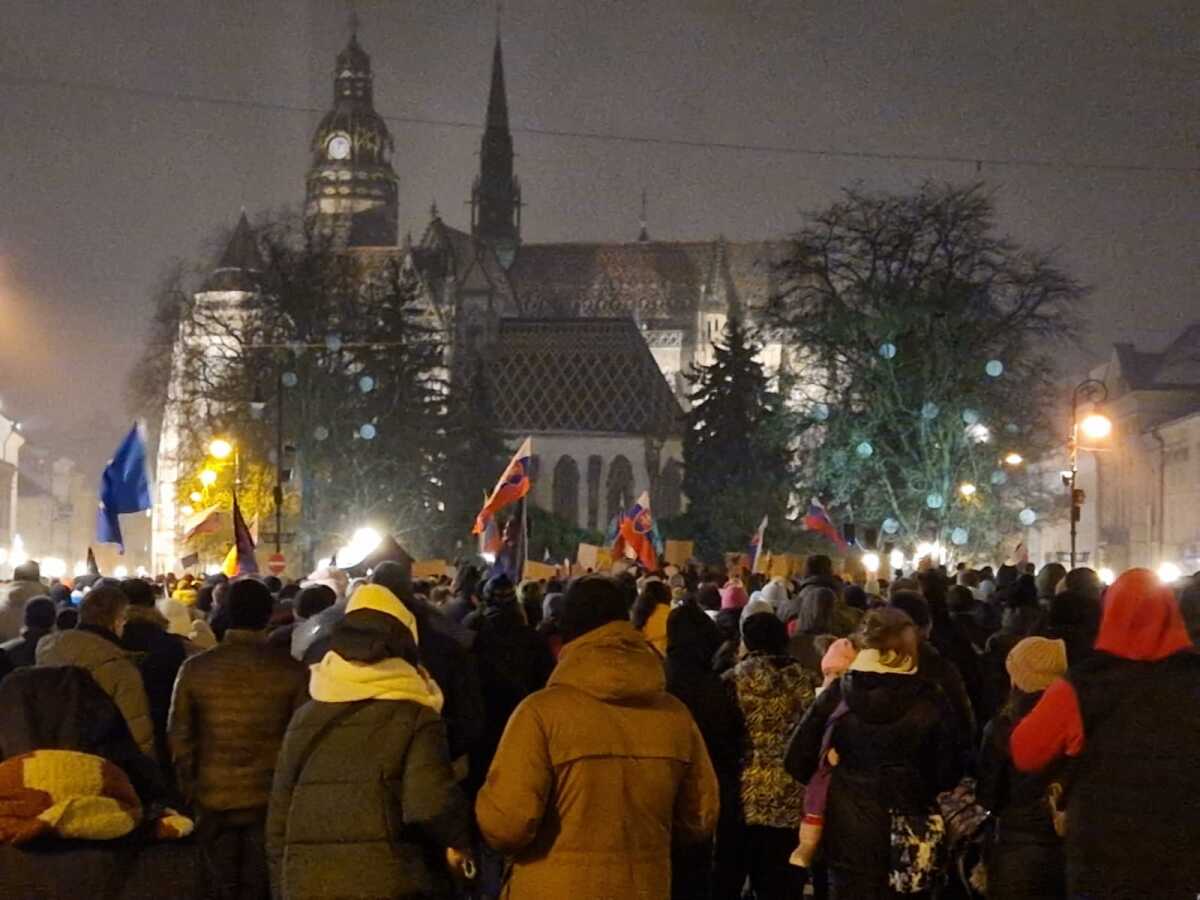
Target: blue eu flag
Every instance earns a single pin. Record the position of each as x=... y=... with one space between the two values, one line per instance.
x=124 y=487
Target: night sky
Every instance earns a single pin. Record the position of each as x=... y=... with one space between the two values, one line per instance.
x=100 y=188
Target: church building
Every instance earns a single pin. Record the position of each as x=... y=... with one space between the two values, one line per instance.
x=585 y=344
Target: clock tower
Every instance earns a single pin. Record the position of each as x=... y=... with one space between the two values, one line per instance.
x=351 y=186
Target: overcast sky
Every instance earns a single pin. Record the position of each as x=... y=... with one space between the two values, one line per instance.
x=101 y=189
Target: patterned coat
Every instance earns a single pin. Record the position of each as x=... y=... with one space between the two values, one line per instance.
x=773 y=693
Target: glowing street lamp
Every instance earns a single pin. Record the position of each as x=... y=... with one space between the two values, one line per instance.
x=220 y=449
x=1094 y=427
x=1169 y=573
x=896 y=559
x=967 y=489
x=208 y=478
x=870 y=562
x=1014 y=459
x=1107 y=576
x=196 y=496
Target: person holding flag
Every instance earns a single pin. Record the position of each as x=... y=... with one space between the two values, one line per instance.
x=513 y=485
x=635 y=532
x=124 y=487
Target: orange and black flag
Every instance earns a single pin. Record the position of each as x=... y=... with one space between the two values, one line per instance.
x=241 y=559
x=514 y=484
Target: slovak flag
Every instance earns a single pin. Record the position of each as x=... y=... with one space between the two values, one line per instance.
x=756 y=544
x=490 y=539
x=818 y=520
x=636 y=532
x=512 y=486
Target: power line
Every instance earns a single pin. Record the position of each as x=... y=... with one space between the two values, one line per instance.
x=610 y=137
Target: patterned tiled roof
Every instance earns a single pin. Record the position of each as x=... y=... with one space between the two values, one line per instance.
x=587 y=375
x=646 y=280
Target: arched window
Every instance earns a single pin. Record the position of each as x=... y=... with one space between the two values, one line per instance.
x=566 y=489
x=669 y=501
x=619 y=487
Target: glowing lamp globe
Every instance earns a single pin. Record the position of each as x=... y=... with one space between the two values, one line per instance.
x=870 y=562
x=1096 y=427
x=220 y=449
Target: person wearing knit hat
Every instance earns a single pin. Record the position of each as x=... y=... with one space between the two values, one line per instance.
x=756 y=606
x=332 y=577
x=1035 y=663
x=733 y=596
x=775 y=592
x=371 y=734
x=837 y=660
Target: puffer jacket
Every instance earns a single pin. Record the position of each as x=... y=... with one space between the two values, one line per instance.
x=229 y=712
x=595 y=775
x=773 y=693
x=101 y=655
x=363 y=803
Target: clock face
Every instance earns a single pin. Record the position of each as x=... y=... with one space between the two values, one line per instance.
x=339 y=147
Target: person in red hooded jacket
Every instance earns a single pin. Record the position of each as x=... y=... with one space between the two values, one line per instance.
x=1125 y=723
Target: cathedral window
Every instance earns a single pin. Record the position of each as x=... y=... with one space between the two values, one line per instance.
x=566 y=490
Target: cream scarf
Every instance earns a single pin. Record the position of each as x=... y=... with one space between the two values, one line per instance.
x=336 y=680
x=893 y=664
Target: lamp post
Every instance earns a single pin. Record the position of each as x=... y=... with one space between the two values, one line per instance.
x=277 y=494
x=1097 y=426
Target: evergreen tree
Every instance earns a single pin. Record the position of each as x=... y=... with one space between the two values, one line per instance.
x=737 y=465
x=475 y=456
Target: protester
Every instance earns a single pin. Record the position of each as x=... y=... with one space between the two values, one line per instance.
x=25 y=585
x=934 y=667
x=39 y=622
x=650 y=614
x=158 y=654
x=550 y=628
x=364 y=803
x=692 y=640
x=229 y=713
x=896 y=748
x=443 y=651
x=307 y=603
x=1025 y=857
x=1021 y=617
x=598 y=772
x=773 y=691
x=1124 y=717
x=812 y=626
x=95 y=645
x=1048 y=581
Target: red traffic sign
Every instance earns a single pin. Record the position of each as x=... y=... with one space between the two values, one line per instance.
x=276 y=563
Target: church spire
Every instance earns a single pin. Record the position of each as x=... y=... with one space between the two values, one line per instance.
x=496 y=193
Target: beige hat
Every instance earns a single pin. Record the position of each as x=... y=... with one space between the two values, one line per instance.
x=1035 y=663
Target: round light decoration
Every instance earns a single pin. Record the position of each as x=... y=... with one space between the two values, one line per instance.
x=891 y=526
x=840 y=458
x=888 y=350
x=959 y=536
x=979 y=433
x=994 y=368
x=367 y=432
x=967 y=489
x=1027 y=516
x=290 y=379
x=320 y=432
x=935 y=501
x=1012 y=428
x=930 y=411
x=870 y=562
x=366 y=384
x=820 y=411
x=999 y=477
x=333 y=343
x=970 y=416
x=864 y=450
x=297 y=347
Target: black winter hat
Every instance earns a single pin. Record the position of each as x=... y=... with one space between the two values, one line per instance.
x=763 y=632
x=499 y=589
x=590 y=602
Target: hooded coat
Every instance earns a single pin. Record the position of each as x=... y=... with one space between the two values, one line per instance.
x=595 y=775
x=1125 y=717
x=100 y=653
x=158 y=655
x=897 y=748
x=364 y=800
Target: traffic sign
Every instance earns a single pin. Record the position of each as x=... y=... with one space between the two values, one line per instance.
x=276 y=563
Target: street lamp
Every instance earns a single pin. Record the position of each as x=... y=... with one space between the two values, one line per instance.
x=1014 y=459
x=870 y=562
x=967 y=489
x=220 y=449
x=1094 y=427
x=208 y=478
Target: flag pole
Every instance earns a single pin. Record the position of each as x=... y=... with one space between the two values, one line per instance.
x=524 y=540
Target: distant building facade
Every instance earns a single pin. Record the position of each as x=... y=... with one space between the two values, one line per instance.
x=1142 y=485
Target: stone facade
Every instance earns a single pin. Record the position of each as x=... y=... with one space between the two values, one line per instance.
x=1142 y=484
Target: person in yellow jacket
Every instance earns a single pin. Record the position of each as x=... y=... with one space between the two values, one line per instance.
x=597 y=772
x=650 y=614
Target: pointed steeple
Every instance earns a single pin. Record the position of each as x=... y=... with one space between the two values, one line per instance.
x=241 y=264
x=496 y=193
x=497 y=110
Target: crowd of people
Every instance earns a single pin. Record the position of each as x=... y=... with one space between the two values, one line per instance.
x=686 y=734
